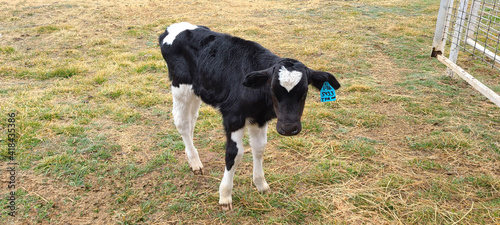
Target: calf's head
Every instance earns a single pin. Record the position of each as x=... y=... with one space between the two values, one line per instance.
x=289 y=80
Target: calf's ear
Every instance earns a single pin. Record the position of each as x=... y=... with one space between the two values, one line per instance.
x=318 y=78
x=257 y=79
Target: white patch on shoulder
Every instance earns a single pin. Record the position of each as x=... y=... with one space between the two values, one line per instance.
x=288 y=79
x=175 y=29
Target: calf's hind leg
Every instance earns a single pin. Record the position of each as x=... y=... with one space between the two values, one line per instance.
x=185 y=109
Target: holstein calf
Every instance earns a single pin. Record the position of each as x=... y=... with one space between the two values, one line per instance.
x=247 y=83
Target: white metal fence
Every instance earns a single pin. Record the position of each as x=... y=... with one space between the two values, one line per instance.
x=472 y=27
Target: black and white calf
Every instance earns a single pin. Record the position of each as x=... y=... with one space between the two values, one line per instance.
x=247 y=83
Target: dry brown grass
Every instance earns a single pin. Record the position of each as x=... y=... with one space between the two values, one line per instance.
x=402 y=145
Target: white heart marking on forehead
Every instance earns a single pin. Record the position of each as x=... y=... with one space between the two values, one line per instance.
x=289 y=79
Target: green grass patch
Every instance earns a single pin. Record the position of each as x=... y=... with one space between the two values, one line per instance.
x=99 y=79
x=101 y=41
x=298 y=145
x=361 y=146
x=441 y=141
x=39 y=208
x=63 y=72
x=69 y=167
x=80 y=157
x=359 y=88
x=359 y=118
x=114 y=94
x=47 y=29
x=395 y=182
x=326 y=172
x=153 y=67
x=126 y=116
x=426 y=164
x=7 y=50
x=69 y=130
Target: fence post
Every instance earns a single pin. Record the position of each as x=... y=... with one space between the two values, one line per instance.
x=439 y=35
x=471 y=29
x=457 y=32
x=473 y=23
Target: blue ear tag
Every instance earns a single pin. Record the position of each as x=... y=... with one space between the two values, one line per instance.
x=327 y=93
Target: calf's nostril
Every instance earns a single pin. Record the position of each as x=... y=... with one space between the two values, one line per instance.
x=288 y=129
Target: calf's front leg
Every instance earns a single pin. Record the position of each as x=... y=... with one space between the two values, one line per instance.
x=234 y=154
x=258 y=140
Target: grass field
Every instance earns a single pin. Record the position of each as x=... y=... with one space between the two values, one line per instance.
x=96 y=143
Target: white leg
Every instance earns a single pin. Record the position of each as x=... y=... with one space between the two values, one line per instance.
x=226 y=186
x=185 y=110
x=258 y=140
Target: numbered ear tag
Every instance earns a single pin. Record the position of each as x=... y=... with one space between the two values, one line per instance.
x=327 y=93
